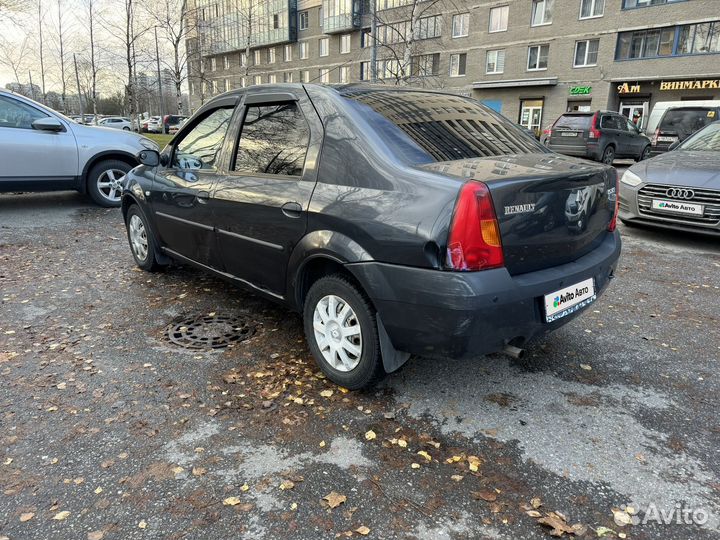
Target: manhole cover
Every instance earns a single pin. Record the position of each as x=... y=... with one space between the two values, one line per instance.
x=209 y=332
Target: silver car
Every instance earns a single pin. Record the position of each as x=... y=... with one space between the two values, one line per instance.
x=42 y=150
x=679 y=189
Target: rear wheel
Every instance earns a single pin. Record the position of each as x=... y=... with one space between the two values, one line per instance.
x=341 y=330
x=645 y=153
x=141 y=240
x=608 y=156
x=105 y=182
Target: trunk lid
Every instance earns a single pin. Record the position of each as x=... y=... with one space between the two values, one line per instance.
x=551 y=209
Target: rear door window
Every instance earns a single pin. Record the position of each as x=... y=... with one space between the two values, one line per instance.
x=686 y=121
x=574 y=121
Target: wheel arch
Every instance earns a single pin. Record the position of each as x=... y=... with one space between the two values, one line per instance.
x=102 y=156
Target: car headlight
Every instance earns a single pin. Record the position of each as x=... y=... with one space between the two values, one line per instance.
x=631 y=179
x=150 y=145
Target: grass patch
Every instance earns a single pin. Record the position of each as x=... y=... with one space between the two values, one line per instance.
x=159 y=138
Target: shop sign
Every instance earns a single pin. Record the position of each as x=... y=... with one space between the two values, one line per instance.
x=580 y=90
x=697 y=84
x=626 y=88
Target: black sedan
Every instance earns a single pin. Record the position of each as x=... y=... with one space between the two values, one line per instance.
x=679 y=189
x=396 y=221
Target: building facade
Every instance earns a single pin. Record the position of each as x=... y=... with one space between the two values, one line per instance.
x=530 y=60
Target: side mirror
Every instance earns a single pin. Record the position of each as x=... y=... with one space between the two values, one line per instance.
x=48 y=124
x=164 y=159
x=674 y=145
x=149 y=158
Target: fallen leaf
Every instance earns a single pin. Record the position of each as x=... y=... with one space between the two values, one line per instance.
x=8 y=461
x=415 y=465
x=402 y=443
x=457 y=477
x=199 y=471
x=287 y=484
x=556 y=521
x=604 y=531
x=177 y=470
x=61 y=515
x=293 y=506
x=98 y=490
x=424 y=454
x=535 y=502
x=244 y=487
x=533 y=513
x=363 y=530
x=334 y=499
x=485 y=495
x=142 y=524
x=27 y=516
x=621 y=518
x=322 y=444
x=370 y=435
x=231 y=501
x=586 y=367
x=95 y=535
x=326 y=393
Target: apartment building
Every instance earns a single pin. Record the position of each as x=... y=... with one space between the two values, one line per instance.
x=530 y=60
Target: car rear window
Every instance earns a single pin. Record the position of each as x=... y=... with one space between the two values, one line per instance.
x=573 y=121
x=443 y=126
x=686 y=121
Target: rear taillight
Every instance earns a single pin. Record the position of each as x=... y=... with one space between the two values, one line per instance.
x=474 y=239
x=655 y=136
x=594 y=131
x=613 y=222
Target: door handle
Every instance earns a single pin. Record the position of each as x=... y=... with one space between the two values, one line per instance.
x=292 y=209
x=202 y=197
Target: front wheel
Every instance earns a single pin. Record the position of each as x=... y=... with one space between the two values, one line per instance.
x=608 y=156
x=141 y=239
x=105 y=182
x=342 y=333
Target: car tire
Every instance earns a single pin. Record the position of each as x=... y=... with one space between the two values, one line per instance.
x=141 y=239
x=339 y=321
x=126 y=128
x=608 y=155
x=105 y=182
x=644 y=154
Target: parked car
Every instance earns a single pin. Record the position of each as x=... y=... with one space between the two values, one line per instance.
x=154 y=125
x=601 y=135
x=679 y=189
x=402 y=236
x=174 y=129
x=545 y=136
x=172 y=121
x=660 y=107
x=679 y=122
x=45 y=151
x=116 y=122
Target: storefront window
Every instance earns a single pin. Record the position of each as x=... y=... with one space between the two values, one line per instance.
x=531 y=111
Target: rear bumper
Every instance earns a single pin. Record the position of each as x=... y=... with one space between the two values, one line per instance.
x=455 y=314
x=585 y=151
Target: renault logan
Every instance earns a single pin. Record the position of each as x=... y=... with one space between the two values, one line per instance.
x=396 y=221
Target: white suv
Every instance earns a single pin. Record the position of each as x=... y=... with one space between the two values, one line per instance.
x=42 y=150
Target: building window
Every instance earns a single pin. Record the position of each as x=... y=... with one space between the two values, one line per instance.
x=365 y=39
x=272 y=78
x=460 y=25
x=257 y=79
x=304 y=50
x=324 y=46
x=457 y=64
x=271 y=55
x=495 y=61
x=192 y=88
x=586 y=53
x=703 y=38
x=214 y=87
x=424 y=65
x=430 y=27
x=592 y=8
x=324 y=75
x=213 y=64
x=344 y=74
x=243 y=82
x=288 y=77
x=226 y=85
x=257 y=57
x=541 y=12
x=226 y=62
x=365 y=74
x=288 y=53
x=243 y=59
x=303 y=20
x=499 y=19
x=305 y=76
x=538 y=57
x=629 y=4
x=345 y=43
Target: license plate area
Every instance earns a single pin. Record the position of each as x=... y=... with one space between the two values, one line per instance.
x=678 y=207
x=569 y=133
x=570 y=299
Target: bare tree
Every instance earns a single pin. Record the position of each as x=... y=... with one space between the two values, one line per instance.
x=172 y=18
x=15 y=56
x=93 y=64
x=60 y=43
x=40 y=24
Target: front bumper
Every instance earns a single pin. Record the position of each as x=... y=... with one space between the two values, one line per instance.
x=456 y=314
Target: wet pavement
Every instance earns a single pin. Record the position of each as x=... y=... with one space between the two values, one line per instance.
x=109 y=429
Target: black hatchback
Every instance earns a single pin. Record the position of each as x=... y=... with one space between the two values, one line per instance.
x=602 y=136
x=396 y=221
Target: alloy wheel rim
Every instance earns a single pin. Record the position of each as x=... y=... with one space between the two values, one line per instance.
x=110 y=184
x=337 y=333
x=138 y=237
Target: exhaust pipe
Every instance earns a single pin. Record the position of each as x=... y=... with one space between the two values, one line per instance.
x=515 y=352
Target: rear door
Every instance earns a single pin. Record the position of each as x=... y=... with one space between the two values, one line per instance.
x=260 y=204
x=181 y=191
x=679 y=123
x=570 y=132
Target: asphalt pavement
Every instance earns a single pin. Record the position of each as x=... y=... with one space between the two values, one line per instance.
x=112 y=428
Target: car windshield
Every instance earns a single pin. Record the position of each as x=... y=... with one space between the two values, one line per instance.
x=707 y=140
x=443 y=127
x=573 y=121
x=686 y=121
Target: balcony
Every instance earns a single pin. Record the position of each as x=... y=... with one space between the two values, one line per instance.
x=340 y=16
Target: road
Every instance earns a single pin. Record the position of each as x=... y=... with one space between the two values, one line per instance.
x=109 y=430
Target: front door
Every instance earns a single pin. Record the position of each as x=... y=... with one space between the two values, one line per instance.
x=33 y=158
x=181 y=191
x=636 y=113
x=531 y=115
x=260 y=204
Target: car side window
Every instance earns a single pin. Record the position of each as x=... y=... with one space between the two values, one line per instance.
x=274 y=140
x=606 y=122
x=14 y=114
x=200 y=147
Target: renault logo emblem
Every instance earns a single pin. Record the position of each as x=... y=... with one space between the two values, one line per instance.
x=680 y=193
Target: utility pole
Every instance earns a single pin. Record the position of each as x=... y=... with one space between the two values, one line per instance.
x=373 y=37
x=32 y=88
x=160 y=98
x=77 y=80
